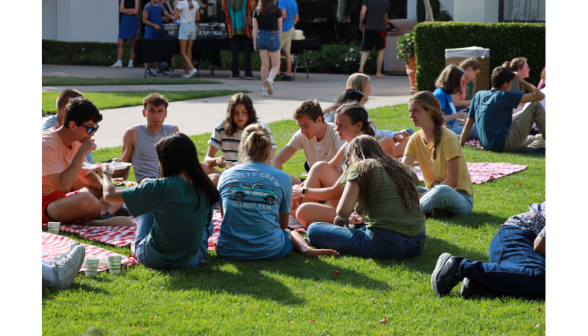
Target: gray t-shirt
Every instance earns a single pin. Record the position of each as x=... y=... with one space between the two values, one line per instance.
x=147 y=9
x=144 y=155
x=374 y=16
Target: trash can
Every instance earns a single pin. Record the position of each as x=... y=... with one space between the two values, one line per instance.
x=392 y=65
x=482 y=80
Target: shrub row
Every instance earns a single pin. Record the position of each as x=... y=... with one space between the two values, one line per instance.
x=505 y=41
x=338 y=59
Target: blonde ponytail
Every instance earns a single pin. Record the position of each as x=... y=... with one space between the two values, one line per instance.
x=191 y=6
x=255 y=144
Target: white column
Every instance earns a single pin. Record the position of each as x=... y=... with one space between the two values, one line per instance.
x=476 y=11
x=411 y=6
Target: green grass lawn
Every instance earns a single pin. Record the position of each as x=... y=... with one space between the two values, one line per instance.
x=114 y=99
x=79 y=81
x=297 y=295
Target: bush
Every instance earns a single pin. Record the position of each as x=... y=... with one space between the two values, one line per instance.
x=82 y=53
x=505 y=41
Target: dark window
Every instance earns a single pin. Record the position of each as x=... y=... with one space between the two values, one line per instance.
x=521 y=11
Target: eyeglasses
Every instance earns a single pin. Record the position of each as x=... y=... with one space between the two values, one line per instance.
x=90 y=129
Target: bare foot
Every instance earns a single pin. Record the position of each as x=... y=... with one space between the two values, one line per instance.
x=314 y=253
x=306 y=240
x=381 y=76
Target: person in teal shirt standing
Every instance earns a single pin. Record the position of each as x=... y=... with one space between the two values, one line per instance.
x=238 y=22
x=174 y=211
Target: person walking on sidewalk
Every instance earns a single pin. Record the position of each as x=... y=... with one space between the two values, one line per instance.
x=238 y=15
x=267 y=25
x=128 y=29
x=187 y=12
x=289 y=10
x=373 y=22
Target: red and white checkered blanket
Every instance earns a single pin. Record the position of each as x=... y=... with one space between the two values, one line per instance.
x=481 y=172
x=54 y=245
x=474 y=143
x=123 y=236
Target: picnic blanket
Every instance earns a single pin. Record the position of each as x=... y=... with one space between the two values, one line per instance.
x=123 y=236
x=54 y=245
x=474 y=143
x=481 y=172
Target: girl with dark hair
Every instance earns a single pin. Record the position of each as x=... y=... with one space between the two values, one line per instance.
x=323 y=179
x=255 y=205
x=226 y=136
x=449 y=185
x=348 y=96
x=383 y=192
x=174 y=210
x=449 y=83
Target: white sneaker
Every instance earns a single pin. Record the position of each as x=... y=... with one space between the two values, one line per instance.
x=185 y=76
x=116 y=65
x=270 y=90
x=131 y=65
x=67 y=268
x=264 y=94
x=72 y=246
x=192 y=72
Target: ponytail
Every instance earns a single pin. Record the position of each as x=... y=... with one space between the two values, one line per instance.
x=430 y=103
x=255 y=144
x=191 y=5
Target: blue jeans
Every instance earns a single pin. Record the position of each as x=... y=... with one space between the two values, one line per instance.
x=149 y=256
x=514 y=268
x=268 y=40
x=455 y=128
x=364 y=242
x=444 y=197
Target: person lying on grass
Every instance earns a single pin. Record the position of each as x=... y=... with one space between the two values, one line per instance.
x=383 y=192
x=390 y=141
x=226 y=136
x=516 y=267
x=449 y=186
x=316 y=138
x=174 y=210
x=69 y=192
x=323 y=181
x=255 y=205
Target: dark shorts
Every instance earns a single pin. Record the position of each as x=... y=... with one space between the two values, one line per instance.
x=371 y=37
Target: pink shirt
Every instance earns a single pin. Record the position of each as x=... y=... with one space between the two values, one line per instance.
x=57 y=158
x=463 y=88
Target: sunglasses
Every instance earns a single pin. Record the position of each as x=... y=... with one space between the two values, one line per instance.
x=90 y=129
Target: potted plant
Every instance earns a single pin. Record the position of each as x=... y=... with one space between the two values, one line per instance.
x=406 y=54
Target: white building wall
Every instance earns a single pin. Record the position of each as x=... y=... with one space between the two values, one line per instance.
x=411 y=7
x=80 y=20
x=49 y=20
x=462 y=10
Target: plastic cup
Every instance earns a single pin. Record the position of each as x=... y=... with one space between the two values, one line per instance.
x=53 y=227
x=92 y=266
x=114 y=264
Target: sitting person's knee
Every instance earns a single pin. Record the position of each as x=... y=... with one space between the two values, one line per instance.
x=320 y=165
x=89 y=202
x=303 y=214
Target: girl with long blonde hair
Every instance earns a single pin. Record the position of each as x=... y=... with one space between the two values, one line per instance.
x=382 y=191
x=255 y=205
x=449 y=188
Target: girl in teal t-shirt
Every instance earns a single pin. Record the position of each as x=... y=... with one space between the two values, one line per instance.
x=174 y=210
x=255 y=205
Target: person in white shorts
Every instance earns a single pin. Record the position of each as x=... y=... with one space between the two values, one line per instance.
x=187 y=12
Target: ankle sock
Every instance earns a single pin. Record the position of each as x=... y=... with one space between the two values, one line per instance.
x=118 y=62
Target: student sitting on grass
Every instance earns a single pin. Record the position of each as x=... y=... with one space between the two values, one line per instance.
x=174 y=210
x=348 y=96
x=383 y=192
x=449 y=83
x=390 y=141
x=139 y=141
x=516 y=267
x=491 y=110
x=69 y=192
x=471 y=68
x=323 y=179
x=521 y=66
x=255 y=205
x=449 y=185
x=226 y=136
x=316 y=138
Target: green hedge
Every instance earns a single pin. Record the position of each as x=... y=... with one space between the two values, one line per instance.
x=338 y=59
x=505 y=41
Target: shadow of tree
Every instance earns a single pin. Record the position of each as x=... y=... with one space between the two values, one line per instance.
x=475 y=220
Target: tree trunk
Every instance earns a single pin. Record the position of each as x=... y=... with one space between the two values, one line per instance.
x=428 y=11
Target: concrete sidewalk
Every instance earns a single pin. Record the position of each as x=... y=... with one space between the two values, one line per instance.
x=201 y=115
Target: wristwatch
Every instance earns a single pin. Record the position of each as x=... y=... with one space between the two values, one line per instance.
x=304 y=191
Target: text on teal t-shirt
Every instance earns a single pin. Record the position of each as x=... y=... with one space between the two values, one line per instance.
x=178 y=226
x=492 y=112
x=253 y=195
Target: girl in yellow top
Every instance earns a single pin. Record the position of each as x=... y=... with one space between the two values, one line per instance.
x=449 y=185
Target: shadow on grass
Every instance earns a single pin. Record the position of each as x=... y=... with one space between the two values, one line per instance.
x=251 y=278
x=475 y=220
x=51 y=292
x=434 y=247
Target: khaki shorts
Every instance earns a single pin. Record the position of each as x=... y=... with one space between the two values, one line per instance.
x=286 y=40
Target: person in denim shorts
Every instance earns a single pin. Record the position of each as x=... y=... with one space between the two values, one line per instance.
x=173 y=211
x=267 y=25
x=187 y=12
